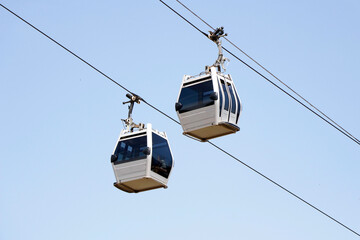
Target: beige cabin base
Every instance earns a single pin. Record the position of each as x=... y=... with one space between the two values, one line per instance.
x=215 y=131
x=139 y=185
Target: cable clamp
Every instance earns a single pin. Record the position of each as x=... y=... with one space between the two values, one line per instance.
x=217 y=34
x=130 y=125
x=215 y=37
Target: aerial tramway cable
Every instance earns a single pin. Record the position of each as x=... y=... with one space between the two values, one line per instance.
x=152 y=106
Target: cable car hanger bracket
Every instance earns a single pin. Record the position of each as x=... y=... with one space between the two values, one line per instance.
x=130 y=125
x=215 y=37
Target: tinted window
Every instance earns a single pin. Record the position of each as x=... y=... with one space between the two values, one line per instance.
x=226 y=106
x=221 y=100
x=239 y=107
x=161 y=157
x=232 y=95
x=130 y=150
x=196 y=96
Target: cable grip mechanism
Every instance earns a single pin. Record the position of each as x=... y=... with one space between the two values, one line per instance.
x=215 y=37
x=130 y=125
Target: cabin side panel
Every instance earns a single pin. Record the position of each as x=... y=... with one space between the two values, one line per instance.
x=131 y=170
x=198 y=118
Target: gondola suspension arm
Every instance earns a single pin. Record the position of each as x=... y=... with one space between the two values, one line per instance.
x=130 y=125
x=215 y=37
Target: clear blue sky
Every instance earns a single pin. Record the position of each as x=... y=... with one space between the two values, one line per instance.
x=60 y=121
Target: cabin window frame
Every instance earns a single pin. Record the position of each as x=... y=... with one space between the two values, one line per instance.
x=200 y=90
x=135 y=155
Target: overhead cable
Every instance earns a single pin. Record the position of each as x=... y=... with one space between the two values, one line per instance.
x=163 y=113
x=86 y=62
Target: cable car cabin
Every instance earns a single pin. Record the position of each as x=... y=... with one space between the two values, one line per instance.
x=142 y=160
x=208 y=105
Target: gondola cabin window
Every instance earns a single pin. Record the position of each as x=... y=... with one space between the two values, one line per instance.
x=196 y=96
x=233 y=100
x=130 y=150
x=161 y=156
x=226 y=106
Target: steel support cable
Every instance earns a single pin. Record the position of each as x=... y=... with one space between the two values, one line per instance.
x=267 y=178
x=273 y=75
x=163 y=113
x=246 y=64
x=68 y=50
x=297 y=100
x=285 y=189
x=84 y=61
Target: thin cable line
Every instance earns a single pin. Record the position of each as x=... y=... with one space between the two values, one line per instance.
x=311 y=110
x=283 y=188
x=337 y=128
x=163 y=113
x=227 y=153
x=62 y=46
x=87 y=63
x=183 y=18
x=195 y=15
x=273 y=75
